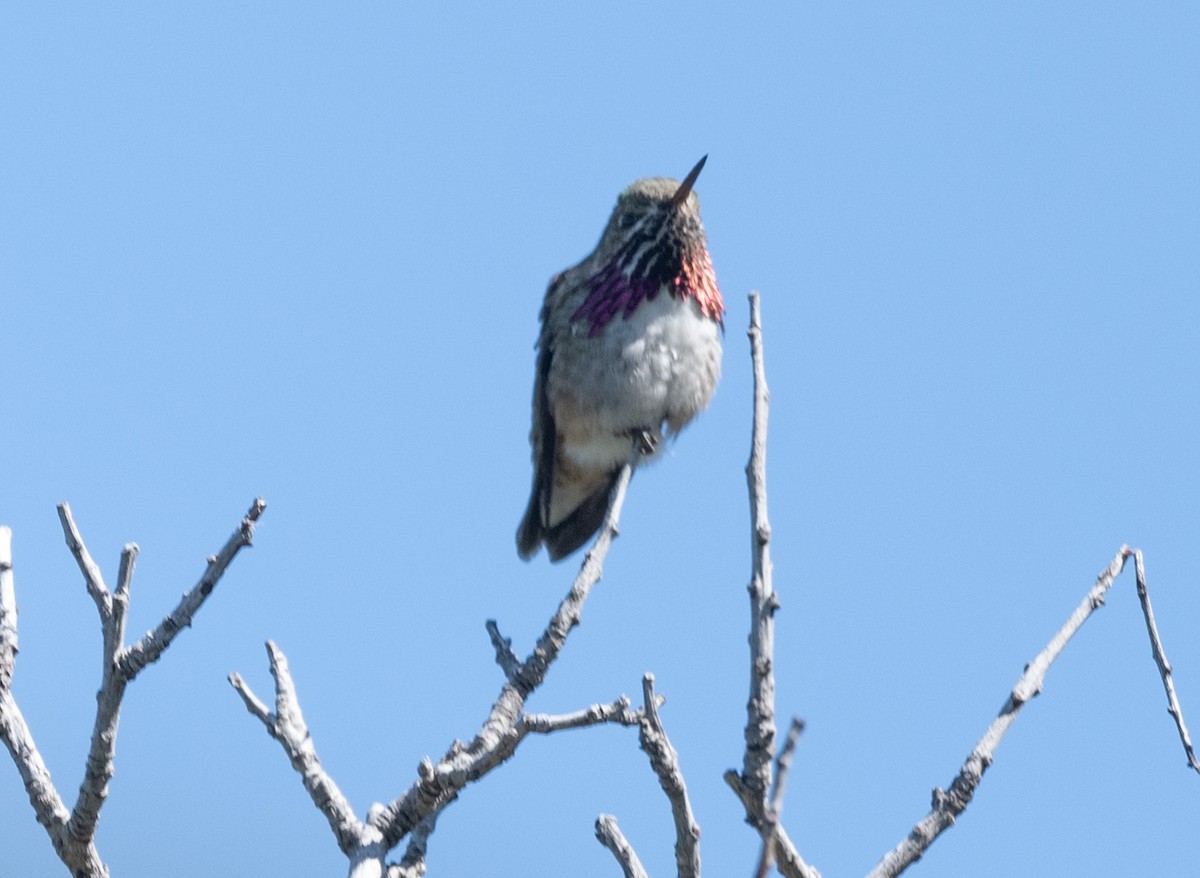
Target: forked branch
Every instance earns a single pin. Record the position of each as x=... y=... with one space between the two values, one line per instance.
x=948 y=804
x=412 y=814
x=72 y=832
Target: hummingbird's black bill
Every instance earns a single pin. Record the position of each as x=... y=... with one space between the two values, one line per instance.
x=689 y=181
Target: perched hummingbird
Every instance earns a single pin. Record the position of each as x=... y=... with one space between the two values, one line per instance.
x=630 y=344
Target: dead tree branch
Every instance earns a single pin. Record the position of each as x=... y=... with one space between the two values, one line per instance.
x=783 y=767
x=652 y=738
x=665 y=762
x=948 y=804
x=72 y=832
x=1160 y=659
x=610 y=835
x=8 y=610
x=753 y=784
x=413 y=813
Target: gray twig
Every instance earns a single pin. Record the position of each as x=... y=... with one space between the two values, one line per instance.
x=8 y=610
x=413 y=813
x=286 y=725
x=1160 y=659
x=611 y=837
x=753 y=784
x=948 y=804
x=783 y=767
x=618 y=712
x=153 y=643
x=72 y=832
x=665 y=762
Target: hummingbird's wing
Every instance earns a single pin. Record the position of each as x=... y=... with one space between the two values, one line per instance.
x=567 y=502
x=542 y=436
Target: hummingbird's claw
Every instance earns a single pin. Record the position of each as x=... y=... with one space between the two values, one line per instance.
x=648 y=441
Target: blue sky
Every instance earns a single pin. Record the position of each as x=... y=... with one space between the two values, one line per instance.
x=299 y=250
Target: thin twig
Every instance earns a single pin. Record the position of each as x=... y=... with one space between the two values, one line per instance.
x=948 y=804
x=287 y=726
x=8 y=610
x=783 y=767
x=440 y=784
x=665 y=762
x=618 y=712
x=760 y=709
x=88 y=567
x=413 y=813
x=72 y=832
x=47 y=804
x=611 y=837
x=1160 y=659
x=412 y=865
x=152 y=644
x=506 y=658
x=752 y=784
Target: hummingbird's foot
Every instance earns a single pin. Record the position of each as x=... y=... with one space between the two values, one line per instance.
x=648 y=441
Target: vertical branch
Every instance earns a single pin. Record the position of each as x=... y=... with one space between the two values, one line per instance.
x=783 y=767
x=8 y=610
x=120 y=604
x=760 y=710
x=665 y=762
x=753 y=783
x=80 y=855
x=99 y=768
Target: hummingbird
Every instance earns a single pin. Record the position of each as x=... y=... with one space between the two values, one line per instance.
x=629 y=349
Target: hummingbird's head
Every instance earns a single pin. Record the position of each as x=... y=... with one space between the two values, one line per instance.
x=654 y=239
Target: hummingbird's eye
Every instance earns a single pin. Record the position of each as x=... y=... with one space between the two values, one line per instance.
x=626 y=220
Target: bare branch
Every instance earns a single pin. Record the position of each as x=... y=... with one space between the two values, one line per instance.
x=611 y=837
x=508 y=660
x=120 y=601
x=413 y=863
x=46 y=802
x=439 y=784
x=255 y=705
x=90 y=570
x=506 y=726
x=286 y=725
x=783 y=767
x=760 y=709
x=618 y=712
x=665 y=762
x=8 y=610
x=414 y=813
x=787 y=859
x=72 y=833
x=947 y=805
x=753 y=783
x=98 y=770
x=14 y=731
x=152 y=644
x=1160 y=659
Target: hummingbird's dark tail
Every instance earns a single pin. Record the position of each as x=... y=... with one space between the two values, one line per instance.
x=581 y=525
x=529 y=532
x=569 y=534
